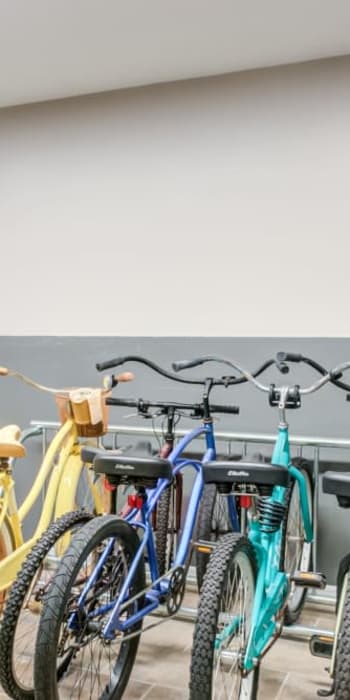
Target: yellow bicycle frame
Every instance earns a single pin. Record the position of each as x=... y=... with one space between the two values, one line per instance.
x=59 y=498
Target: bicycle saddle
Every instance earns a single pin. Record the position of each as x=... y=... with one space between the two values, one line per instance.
x=338 y=484
x=132 y=464
x=143 y=448
x=9 y=442
x=245 y=472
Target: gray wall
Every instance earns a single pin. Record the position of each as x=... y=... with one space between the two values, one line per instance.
x=70 y=361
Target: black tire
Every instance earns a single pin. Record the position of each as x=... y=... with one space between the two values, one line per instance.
x=161 y=536
x=213 y=521
x=342 y=642
x=21 y=614
x=59 y=657
x=7 y=545
x=168 y=523
x=233 y=554
x=296 y=554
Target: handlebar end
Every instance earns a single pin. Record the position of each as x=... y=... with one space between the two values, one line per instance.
x=124 y=377
x=289 y=357
x=187 y=364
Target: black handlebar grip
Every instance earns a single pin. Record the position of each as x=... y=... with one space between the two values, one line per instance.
x=289 y=357
x=186 y=364
x=109 y=364
x=335 y=375
x=110 y=401
x=224 y=409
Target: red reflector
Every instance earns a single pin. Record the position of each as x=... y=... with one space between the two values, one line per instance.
x=108 y=486
x=245 y=501
x=135 y=501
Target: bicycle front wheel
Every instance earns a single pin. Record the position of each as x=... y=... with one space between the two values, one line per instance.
x=72 y=657
x=296 y=553
x=223 y=624
x=23 y=607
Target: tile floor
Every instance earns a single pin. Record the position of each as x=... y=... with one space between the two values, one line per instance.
x=162 y=665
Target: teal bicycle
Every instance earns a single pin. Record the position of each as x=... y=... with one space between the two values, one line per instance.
x=248 y=585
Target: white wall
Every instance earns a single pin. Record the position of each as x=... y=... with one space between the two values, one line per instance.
x=212 y=207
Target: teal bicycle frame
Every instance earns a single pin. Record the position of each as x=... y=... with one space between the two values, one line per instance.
x=272 y=586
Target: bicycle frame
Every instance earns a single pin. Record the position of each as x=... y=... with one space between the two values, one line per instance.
x=159 y=586
x=59 y=499
x=272 y=585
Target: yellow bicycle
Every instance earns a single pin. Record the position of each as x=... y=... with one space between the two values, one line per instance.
x=83 y=414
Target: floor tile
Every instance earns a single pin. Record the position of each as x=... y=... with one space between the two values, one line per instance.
x=161 y=670
x=301 y=687
x=136 y=690
x=270 y=682
x=162 y=692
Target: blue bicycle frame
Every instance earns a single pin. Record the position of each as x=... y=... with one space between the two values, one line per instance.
x=160 y=586
x=272 y=586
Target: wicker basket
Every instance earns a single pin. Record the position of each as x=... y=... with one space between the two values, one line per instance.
x=87 y=408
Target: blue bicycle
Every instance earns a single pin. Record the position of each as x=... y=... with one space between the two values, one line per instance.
x=94 y=611
x=247 y=585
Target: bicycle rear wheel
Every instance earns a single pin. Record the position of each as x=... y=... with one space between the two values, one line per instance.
x=72 y=657
x=223 y=624
x=168 y=524
x=213 y=521
x=296 y=553
x=24 y=603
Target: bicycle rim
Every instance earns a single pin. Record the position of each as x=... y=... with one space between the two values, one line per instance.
x=88 y=666
x=29 y=616
x=297 y=555
x=235 y=607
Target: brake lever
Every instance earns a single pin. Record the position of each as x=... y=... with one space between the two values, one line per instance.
x=151 y=416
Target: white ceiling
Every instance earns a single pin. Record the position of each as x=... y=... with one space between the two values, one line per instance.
x=59 y=48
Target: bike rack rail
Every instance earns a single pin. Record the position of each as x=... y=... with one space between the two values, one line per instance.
x=242 y=439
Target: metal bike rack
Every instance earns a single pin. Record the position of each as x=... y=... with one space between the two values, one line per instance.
x=242 y=439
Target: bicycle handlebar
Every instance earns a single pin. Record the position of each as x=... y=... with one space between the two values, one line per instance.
x=328 y=376
x=298 y=357
x=5 y=372
x=142 y=405
x=110 y=364
x=177 y=366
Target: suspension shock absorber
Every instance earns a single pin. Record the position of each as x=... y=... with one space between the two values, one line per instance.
x=270 y=513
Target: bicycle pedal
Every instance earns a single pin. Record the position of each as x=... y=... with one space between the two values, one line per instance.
x=309 y=579
x=321 y=645
x=205 y=546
